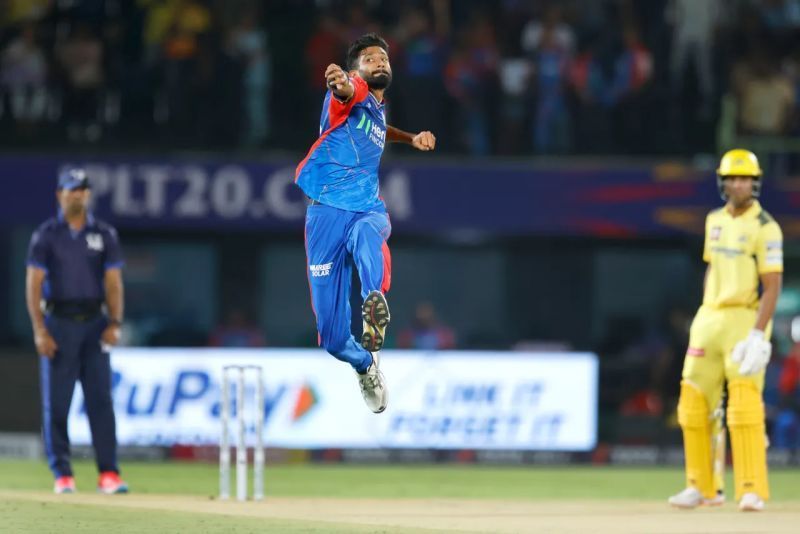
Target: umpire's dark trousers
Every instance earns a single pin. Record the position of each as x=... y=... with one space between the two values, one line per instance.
x=79 y=357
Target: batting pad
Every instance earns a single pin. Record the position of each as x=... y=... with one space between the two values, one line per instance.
x=748 y=442
x=693 y=418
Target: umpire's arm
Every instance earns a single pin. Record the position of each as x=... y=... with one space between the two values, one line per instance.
x=114 y=303
x=34 y=279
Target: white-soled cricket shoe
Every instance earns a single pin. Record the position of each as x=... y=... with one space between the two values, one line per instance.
x=717 y=500
x=687 y=499
x=692 y=498
x=373 y=386
x=751 y=502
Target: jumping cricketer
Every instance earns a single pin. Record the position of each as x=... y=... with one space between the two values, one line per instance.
x=346 y=219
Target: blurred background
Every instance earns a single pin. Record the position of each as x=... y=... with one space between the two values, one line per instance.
x=562 y=210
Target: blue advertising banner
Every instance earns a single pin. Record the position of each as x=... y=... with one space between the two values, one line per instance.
x=439 y=197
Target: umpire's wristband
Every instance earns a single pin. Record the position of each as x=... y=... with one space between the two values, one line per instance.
x=114 y=322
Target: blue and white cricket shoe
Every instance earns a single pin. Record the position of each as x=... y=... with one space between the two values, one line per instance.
x=373 y=386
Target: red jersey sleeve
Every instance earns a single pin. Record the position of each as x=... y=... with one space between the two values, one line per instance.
x=338 y=109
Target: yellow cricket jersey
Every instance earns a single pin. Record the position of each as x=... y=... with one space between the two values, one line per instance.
x=738 y=250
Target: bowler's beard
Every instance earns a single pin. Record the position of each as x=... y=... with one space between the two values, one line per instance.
x=380 y=81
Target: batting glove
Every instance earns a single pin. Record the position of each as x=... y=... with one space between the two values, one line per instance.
x=752 y=353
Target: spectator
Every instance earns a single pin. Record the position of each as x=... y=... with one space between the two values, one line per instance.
x=634 y=70
x=23 y=73
x=631 y=68
x=587 y=84
x=250 y=42
x=158 y=17
x=693 y=39
x=237 y=331
x=422 y=58
x=791 y=69
x=551 y=27
x=325 y=46
x=550 y=45
x=24 y=11
x=764 y=95
x=780 y=15
x=81 y=59
x=188 y=21
x=515 y=74
x=426 y=332
x=471 y=80
x=359 y=22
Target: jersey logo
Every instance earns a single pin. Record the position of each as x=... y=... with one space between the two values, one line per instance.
x=94 y=242
x=365 y=122
x=774 y=256
x=716 y=231
x=727 y=251
x=374 y=133
x=321 y=269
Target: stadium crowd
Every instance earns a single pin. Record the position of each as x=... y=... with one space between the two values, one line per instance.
x=508 y=77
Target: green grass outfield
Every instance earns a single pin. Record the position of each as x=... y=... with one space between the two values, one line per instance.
x=26 y=504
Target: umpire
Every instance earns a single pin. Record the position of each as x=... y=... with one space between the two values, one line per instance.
x=74 y=296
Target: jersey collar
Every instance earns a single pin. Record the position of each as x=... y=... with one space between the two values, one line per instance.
x=381 y=103
x=89 y=218
x=752 y=212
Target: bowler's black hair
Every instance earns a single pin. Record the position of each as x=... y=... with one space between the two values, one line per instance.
x=365 y=41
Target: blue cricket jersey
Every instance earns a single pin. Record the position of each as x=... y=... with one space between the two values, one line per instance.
x=75 y=262
x=341 y=168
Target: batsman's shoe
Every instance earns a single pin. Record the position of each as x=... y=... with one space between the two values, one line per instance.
x=109 y=483
x=373 y=387
x=692 y=498
x=751 y=502
x=64 y=485
x=375 y=313
x=717 y=500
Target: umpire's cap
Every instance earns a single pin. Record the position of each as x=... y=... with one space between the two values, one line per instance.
x=73 y=178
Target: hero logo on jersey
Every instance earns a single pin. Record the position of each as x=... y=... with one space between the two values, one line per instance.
x=716 y=231
x=94 y=242
x=375 y=133
x=322 y=269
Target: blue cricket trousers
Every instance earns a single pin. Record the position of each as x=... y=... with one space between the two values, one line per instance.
x=79 y=357
x=333 y=237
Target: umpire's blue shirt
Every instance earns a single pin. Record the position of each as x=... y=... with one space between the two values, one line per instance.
x=75 y=261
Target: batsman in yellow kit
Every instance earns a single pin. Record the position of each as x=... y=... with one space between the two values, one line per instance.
x=729 y=340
